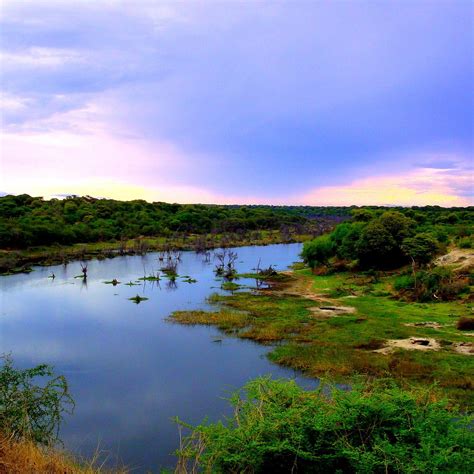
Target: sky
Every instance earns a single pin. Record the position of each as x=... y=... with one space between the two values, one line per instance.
x=255 y=102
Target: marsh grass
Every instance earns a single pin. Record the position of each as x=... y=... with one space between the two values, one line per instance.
x=343 y=346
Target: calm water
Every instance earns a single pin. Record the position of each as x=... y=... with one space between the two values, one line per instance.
x=129 y=370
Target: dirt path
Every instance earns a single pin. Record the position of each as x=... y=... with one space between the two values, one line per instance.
x=303 y=287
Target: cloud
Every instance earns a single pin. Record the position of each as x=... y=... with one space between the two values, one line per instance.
x=255 y=99
x=424 y=186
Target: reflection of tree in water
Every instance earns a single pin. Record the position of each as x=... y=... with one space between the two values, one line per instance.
x=171 y=284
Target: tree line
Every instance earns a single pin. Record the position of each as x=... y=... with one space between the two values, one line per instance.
x=27 y=221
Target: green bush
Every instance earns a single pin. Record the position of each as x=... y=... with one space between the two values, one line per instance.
x=437 y=284
x=465 y=243
x=404 y=282
x=278 y=427
x=318 y=251
x=32 y=402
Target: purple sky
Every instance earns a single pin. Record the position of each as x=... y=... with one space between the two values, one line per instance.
x=239 y=102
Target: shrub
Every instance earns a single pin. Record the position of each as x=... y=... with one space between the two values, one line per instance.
x=465 y=243
x=465 y=323
x=32 y=402
x=318 y=251
x=404 y=282
x=438 y=284
x=278 y=427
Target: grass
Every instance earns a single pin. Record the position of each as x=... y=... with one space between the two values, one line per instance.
x=342 y=346
x=230 y=286
x=26 y=457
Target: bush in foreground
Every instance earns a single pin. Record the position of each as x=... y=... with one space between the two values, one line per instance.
x=32 y=403
x=279 y=427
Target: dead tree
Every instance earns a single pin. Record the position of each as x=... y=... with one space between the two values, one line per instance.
x=84 y=270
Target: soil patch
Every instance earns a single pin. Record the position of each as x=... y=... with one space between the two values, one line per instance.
x=412 y=343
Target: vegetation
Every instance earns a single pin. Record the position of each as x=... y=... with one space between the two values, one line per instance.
x=335 y=325
x=279 y=427
x=32 y=403
x=401 y=331
x=31 y=221
x=137 y=299
x=387 y=239
x=26 y=457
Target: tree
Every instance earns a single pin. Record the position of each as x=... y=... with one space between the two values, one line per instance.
x=376 y=247
x=421 y=248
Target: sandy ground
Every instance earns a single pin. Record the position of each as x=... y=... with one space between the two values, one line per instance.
x=412 y=343
x=464 y=348
x=461 y=259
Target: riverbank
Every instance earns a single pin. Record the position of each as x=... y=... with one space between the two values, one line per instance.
x=21 y=261
x=346 y=324
x=27 y=457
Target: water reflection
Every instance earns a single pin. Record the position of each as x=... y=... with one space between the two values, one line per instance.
x=129 y=370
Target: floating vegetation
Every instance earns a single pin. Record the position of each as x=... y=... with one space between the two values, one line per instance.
x=230 y=286
x=150 y=278
x=138 y=299
x=113 y=282
x=189 y=280
x=130 y=283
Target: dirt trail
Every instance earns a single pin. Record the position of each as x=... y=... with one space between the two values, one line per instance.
x=303 y=287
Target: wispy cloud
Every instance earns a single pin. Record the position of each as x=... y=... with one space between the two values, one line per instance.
x=424 y=186
x=255 y=100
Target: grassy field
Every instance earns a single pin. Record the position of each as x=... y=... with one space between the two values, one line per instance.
x=342 y=325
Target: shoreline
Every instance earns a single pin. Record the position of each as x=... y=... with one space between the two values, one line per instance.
x=20 y=261
x=343 y=326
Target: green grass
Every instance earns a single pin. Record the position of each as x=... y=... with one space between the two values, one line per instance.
x=342 y=346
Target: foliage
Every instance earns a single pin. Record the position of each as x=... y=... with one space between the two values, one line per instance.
x=386 y=239
x=318 y=251
x=438 y=284
x=421 y=248
x=32 y=402
x=279 y=427
x=305 y=337
x=27 y=221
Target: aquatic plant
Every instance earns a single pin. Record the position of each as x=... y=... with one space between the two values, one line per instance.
x=230 y=286
x=113 y=282
x=189 y=280
x=137 y=299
